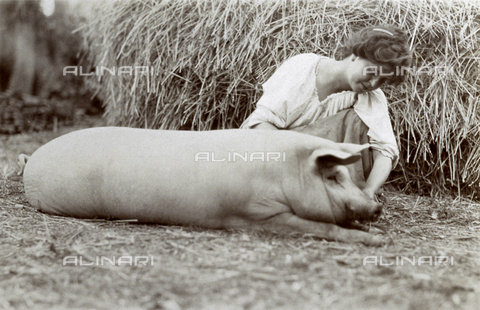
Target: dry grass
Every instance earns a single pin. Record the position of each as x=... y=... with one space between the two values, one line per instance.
x=195 y=268
x=209 y=59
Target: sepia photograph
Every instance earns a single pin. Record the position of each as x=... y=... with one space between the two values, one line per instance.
x=240 y=154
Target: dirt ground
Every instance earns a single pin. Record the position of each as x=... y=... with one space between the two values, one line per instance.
x=52 y=262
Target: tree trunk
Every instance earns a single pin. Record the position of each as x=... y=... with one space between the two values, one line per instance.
x=23 y=73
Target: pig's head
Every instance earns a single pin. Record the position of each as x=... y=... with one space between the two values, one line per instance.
x=328 y=192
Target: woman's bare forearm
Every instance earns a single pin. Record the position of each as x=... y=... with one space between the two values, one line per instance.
x=382 y=166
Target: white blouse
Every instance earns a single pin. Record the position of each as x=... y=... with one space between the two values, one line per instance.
x=290 y=100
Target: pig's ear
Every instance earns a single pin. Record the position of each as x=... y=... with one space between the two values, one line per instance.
x=334 y=157
x=348 y=154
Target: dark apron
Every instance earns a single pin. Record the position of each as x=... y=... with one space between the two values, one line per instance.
x=345 y=126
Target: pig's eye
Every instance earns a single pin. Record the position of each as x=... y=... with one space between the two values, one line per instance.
x=332 y=178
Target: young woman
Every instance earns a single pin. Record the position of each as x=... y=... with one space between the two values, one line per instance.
x=341 y=100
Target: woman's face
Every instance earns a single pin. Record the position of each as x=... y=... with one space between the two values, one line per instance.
x=365 y=75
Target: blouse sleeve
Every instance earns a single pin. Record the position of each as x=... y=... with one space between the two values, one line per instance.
x=286 y=92
x=372 y=109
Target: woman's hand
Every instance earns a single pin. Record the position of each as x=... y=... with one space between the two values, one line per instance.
x=369 y=192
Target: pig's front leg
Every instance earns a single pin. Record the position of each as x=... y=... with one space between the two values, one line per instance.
x=288 y=222
x=364 y=227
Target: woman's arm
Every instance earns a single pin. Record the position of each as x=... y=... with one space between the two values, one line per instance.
x=382 y=166
x=265 y=125
x=291 y=87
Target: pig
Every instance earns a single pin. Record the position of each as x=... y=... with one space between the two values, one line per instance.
x=280 y=181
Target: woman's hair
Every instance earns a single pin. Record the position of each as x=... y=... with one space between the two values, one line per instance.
x=383 y=45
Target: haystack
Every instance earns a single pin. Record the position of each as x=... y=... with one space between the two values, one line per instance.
x=200 y=65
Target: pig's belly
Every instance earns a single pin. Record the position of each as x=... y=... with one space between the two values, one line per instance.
x=84 y=194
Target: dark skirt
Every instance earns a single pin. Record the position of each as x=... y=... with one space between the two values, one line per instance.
x=345 y=126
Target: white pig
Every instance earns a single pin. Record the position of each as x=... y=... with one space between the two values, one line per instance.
x=280 y=181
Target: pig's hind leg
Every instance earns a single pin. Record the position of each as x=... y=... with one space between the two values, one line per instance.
x=288 y=222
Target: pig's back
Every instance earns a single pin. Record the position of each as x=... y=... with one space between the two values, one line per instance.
x=126 y=173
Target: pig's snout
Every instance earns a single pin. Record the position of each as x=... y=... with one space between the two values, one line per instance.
x=370 y=212
x=376 y=211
